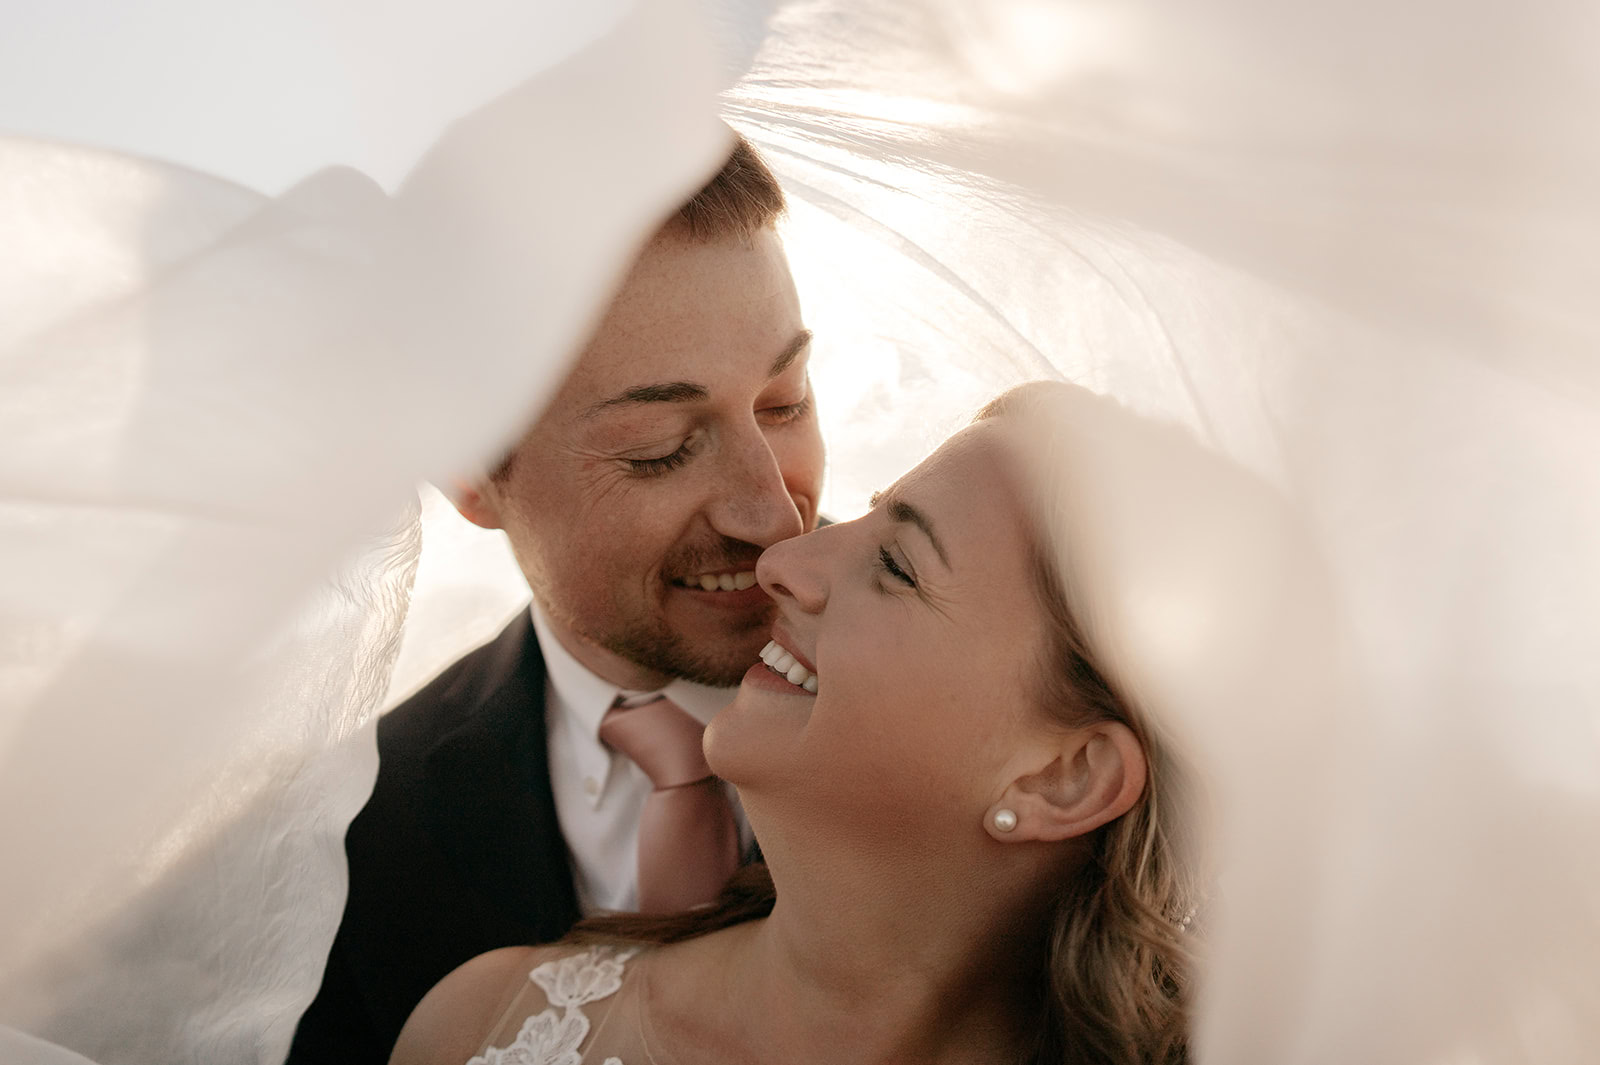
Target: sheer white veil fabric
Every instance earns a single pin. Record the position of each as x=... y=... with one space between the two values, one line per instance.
x=210 y=400
x=1353 y=248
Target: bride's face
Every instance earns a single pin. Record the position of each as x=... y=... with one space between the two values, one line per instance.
x=920 y=625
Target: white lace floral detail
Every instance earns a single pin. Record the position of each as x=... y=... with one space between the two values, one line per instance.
x=554 y=1036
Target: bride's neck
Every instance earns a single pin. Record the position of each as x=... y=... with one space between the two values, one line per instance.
x=866 y=962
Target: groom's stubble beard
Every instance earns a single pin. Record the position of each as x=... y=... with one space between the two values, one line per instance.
x=641 y=634
x=656 y=646
x=720 y=660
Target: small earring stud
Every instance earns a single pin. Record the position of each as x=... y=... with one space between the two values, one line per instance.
x=1005 y=820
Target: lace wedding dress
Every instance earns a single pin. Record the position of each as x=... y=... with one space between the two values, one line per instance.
x=583 y=1007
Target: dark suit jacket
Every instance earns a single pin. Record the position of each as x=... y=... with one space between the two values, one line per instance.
x=457 y=852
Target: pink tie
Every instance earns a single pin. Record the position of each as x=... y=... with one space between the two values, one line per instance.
x=688 y=842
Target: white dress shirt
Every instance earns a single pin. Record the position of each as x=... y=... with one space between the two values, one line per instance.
x=599 y=792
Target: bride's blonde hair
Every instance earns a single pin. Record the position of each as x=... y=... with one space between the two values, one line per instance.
x=1122 y=942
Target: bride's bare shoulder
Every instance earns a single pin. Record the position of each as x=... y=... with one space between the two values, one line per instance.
x=449 y=1025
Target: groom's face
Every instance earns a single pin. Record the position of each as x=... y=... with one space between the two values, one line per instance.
x=684 y=442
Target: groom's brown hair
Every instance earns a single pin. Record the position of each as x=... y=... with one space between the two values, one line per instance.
x=740 y=200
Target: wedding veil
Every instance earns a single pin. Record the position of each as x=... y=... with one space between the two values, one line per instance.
x=1353 y=248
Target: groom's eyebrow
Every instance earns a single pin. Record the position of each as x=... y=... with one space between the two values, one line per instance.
x=791 y=352
x=688 y=391
x=902 y=512
x=667 y=392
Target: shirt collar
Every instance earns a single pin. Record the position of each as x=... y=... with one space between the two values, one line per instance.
x=702 y=701
x=588 y=696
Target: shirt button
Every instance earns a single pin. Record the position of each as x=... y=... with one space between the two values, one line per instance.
x=591 y=785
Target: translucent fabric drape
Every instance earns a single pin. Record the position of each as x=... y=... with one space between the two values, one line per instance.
x=214 y=406
x=1352 y=246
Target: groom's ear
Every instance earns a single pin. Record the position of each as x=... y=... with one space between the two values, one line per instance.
x=476 y=501
x=1083 y=779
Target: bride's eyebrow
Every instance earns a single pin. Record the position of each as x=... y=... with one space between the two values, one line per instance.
x=901 y=511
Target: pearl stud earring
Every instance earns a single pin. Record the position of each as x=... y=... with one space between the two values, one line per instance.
x=1005 y=820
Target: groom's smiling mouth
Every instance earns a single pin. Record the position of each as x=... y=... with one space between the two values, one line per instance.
x=727 y=581
x=729 y=590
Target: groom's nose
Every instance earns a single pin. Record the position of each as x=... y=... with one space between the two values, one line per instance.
x=753 y=503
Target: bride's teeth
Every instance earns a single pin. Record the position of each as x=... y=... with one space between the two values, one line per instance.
x=788 y=667
x=744 y=580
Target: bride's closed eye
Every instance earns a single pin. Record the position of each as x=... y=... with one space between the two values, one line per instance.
x=890 y=566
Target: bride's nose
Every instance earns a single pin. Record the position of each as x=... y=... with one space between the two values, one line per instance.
x=793 y=571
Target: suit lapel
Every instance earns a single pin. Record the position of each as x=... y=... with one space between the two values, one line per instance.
x=492 y=808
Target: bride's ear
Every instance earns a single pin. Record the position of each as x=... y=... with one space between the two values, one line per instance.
x=476 y=501
x=1095 y=776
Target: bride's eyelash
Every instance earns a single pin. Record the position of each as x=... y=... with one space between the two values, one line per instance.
x=887 y=561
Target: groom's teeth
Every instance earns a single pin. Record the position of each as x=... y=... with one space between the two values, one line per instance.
x=721 y=582
x=785 y=665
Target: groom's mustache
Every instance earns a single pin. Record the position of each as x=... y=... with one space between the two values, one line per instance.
x=726 y=554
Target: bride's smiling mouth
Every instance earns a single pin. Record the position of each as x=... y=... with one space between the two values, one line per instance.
x=781 y=669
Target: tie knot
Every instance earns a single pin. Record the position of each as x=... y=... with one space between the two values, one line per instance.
x=662 y=738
